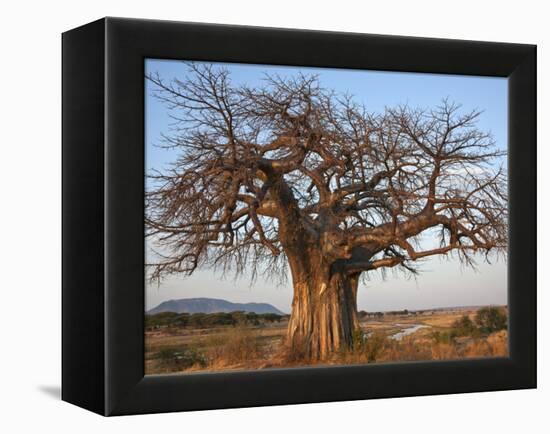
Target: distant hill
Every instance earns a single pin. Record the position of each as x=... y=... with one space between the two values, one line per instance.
x=211 y=305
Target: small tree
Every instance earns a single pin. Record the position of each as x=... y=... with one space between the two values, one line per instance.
x=491 y=319
x=464 y=326
x=290 y=173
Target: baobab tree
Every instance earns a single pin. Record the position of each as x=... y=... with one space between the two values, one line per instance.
x=290 y=175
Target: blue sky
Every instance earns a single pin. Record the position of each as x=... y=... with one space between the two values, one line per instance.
x=443 y=282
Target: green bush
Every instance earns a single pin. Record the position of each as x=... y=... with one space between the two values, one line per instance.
x=271 y=317
x=218 y=319
x=160 y=319
x=491 y=319
x=444 y=337
x=465 y=327
x=252 y=318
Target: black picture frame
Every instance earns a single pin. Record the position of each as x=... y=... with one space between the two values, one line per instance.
x=103 y=228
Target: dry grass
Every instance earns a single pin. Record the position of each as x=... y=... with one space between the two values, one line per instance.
x=381 y=348
x=496 y=345
x=234 y=347
x=246 y=348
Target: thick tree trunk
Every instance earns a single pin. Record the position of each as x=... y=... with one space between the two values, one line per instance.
x=324 y=313
x=324 y=309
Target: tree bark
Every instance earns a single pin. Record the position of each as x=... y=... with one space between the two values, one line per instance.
x=324 y=308
x=324 y=312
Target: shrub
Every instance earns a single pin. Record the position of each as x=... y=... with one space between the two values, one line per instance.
x=218 y=319
x=373 y=345
x=491 y=319
x=358 y=339
x=175 y=358
x=252 y=318
x=444 y=337
x=366 y=348
x=271 y=317
x=464 y=327
x=159 y=319
x=362 y=314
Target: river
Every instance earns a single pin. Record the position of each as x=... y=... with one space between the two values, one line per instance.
x=411 y=328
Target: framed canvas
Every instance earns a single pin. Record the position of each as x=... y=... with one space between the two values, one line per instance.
x=257 y=216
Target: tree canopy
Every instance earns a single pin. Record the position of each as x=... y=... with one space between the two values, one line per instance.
x=266 y=171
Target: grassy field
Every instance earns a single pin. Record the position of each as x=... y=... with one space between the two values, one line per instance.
x=173 y=346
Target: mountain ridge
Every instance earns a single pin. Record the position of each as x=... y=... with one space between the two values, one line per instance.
x=211 y=305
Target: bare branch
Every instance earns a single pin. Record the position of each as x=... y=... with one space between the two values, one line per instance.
x=268 y=172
